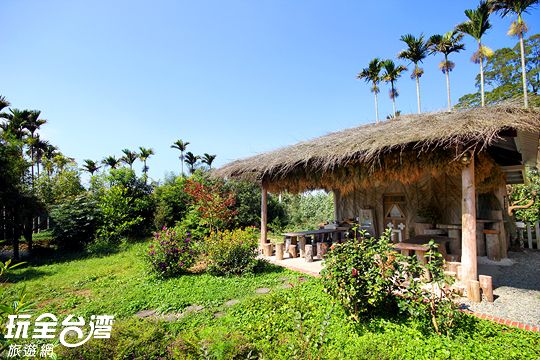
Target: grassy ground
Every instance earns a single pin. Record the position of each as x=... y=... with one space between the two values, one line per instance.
x=298 y=322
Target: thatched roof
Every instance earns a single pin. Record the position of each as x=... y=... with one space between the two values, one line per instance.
x=365 y=144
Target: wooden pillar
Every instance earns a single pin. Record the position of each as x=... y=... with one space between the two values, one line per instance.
x=504 y=240
x=468 y=223
x=264 y=212
x=336 y=204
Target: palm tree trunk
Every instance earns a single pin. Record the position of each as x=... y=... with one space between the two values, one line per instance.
x=376 y=108
x=182 y=162
x=393 y=99
x=447 y=73
x=482 y=96
x=482 y=81
x=523 y=71
x=418 y=93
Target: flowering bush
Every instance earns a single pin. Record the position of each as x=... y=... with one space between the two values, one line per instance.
x=359 y=274
x=232 y=252
x=172 y=252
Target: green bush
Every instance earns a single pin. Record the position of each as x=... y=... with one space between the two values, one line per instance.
x=74 y=221
x=126 y=205
x=359 y=275
x=171 y=252
x=232 y=252
x=171 y=202
x=368 y=277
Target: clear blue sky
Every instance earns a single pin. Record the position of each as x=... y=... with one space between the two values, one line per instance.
x=233 y=77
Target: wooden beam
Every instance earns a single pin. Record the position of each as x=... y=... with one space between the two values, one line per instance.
x=468 y=223
x=336 y=204
x=264 y=215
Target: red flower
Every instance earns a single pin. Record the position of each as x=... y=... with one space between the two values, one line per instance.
x=354 y=272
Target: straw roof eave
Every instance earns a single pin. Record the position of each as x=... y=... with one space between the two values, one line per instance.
x=478 y=128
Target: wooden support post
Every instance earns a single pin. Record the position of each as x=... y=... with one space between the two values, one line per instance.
x=537 y=231
x=459 y=272
x=492 y=244
x=292 y=251
x=302 y=245
x=337 y=196
x=473 y=290
x=504 y=240
x=264 y=212
x=529 y=236
x=309 y=253
x=279 y=251
x=267 y=249
x=468 y=223
x=486 y=283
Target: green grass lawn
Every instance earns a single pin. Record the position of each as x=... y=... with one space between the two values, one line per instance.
x=288 y=323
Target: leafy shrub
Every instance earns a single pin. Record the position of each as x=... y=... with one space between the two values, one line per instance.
x=171 y=202
x=171 y=252
x=232 y=252
x=74 y=221
x=359 y=274
x=126 y=205
x=368 y=277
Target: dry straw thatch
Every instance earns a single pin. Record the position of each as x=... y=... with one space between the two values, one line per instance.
x=402 y=149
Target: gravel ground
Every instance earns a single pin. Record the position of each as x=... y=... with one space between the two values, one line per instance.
x=516 y=288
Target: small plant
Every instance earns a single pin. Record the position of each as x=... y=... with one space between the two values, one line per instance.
x=359 y=274
x=172 y=252
x=232 y=252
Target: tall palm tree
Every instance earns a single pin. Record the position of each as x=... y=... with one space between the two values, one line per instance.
x=182 y=146
x=208 y=159
x=392 y=72
x=3 y=103
x=191 y=160
x=144 y=155
x=373 y=74
x=40 y=148
x=446 y=44
x=111 y=161
x=15 y=121
x=91 y=166
x=517 y=28
x=476 y=27
x=32 y=124
x=417 y=50
x=129 y=157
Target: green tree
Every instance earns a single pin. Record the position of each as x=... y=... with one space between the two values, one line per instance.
x=208 y=159
x=476 y=27
x=392 y=72
x=373 y=74
x=111 y=161
x=446 y=44
x=502 y=75
x=417 y=50
x=129 y=157
x=191 y=161
x=181 y=146
x=91 y=166
x=517 y=28
x=144 y=155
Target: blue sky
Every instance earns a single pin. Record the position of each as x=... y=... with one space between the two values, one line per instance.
x=232 y=77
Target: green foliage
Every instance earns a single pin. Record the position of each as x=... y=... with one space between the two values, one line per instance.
x=523 y=193
x=171 y=202
x=126 y=205
x=248 y=205
x=502 y=75
x=171 y=253
x=306 y=211
x=74 y=221
x=62 y=185
x=132 y=339
x=359 y=275
x=368 y=277
x=232 y=252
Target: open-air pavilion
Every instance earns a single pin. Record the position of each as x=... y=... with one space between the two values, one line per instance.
x=434 y=174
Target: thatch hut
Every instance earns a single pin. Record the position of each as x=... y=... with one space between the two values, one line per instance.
x=451 y=168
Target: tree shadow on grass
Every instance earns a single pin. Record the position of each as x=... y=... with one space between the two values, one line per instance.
x=24 y=274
